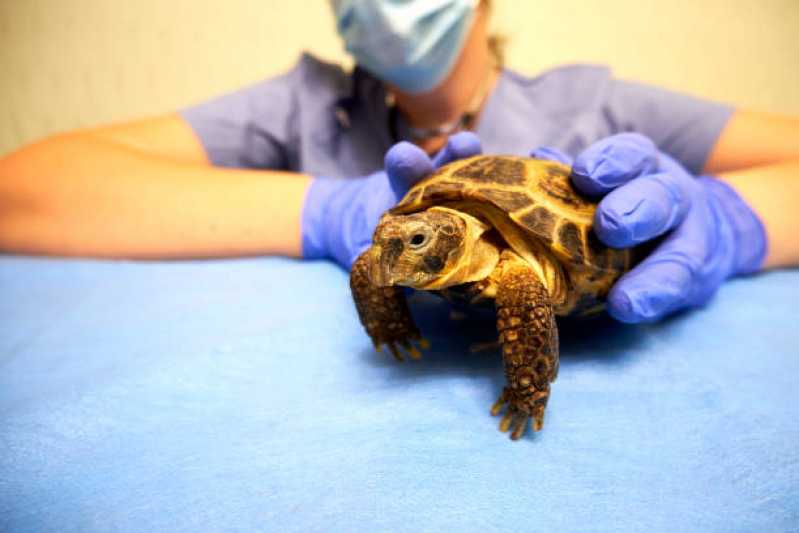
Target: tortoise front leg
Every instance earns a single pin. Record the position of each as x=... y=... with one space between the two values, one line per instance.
x=384 y=311
x=529 y=338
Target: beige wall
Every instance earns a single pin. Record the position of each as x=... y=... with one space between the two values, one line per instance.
x=70 y=63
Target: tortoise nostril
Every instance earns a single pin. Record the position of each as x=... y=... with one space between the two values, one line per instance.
x=395 y=246
x=433 y=264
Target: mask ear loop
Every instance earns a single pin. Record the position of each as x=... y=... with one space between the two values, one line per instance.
x=465 y=122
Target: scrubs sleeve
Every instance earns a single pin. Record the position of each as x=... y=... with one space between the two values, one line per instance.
x=250 y=128
x=681 y=125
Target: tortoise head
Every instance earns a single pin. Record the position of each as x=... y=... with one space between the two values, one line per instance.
x=423 y=250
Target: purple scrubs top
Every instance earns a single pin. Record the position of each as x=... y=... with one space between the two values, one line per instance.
x=320 y=120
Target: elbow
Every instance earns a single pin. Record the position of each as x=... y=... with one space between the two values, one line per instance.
x=20 y=203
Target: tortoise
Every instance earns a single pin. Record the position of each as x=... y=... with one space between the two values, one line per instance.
x=506 y=229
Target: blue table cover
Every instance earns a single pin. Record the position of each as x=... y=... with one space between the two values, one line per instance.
x=243 y=395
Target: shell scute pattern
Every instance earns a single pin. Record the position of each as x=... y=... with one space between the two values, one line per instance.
x=537 y=196
x=540 y=221
x=570 y=238
x=508 y=201
x=493 y=170
x=556 y=183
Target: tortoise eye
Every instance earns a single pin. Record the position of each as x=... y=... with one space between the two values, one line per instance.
x=417 y=240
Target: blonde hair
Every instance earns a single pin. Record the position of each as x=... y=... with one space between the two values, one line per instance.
x=496 y=41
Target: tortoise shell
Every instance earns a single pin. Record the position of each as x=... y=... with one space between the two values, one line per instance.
x=534 y=195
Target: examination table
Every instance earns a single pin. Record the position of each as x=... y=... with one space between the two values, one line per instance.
x=244 y=395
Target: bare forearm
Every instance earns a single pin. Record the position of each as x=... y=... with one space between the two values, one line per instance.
x=116 y=201
x=772 y=192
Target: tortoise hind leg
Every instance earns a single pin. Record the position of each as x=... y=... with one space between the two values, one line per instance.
x=384 y=312
x=528 y=334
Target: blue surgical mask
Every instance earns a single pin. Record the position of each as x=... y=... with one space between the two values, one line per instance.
x=411 y=44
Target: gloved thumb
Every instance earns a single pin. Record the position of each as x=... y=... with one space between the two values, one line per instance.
x=459 y=146
x=551 y=154
x=406 y=164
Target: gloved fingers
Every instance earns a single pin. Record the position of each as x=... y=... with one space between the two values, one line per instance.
x=643 y=209
x=406 y=164
x=613 y=161
x=551 y=154
x=459 y=146
x=679 y=273
x=650 y=293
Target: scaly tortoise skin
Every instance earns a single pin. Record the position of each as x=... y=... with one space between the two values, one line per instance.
x=502 y=228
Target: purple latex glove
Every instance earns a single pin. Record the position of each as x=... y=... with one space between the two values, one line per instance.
x=712 y=233
x=340 y=215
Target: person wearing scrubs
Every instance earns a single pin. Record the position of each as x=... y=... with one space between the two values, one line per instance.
x=295 y=165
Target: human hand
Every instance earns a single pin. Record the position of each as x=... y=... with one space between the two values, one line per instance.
x=712 y=233
x=340 y=215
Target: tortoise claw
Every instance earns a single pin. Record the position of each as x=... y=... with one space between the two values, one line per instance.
x=514 y=419
x=515 y=422
x=519 y=427
x=538 y=419
x=497 y=407
x=395 y=352
x=504 y=424
x=502 y=400
x=411 y=350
